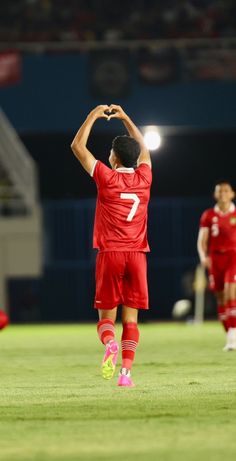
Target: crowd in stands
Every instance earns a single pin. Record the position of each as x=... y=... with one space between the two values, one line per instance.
x=69 y=20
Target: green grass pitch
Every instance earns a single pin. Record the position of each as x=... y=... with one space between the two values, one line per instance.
x=55 y=406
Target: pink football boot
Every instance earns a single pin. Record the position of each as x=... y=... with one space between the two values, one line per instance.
x=125 y=378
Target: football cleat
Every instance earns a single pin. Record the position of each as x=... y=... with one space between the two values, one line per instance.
x=231 y=340
x=110 y=359
x=124 y=379
x=229 y=347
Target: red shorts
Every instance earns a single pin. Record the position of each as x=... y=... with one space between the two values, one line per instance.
x=121 y=278
x=223 y=270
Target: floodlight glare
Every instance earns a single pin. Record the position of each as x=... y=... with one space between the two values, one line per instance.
x=152 y=139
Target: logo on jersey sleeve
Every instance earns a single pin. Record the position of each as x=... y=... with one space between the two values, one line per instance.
x=232 y=220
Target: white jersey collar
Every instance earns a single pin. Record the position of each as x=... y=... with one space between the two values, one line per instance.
x=222 y=213
x=123 y=169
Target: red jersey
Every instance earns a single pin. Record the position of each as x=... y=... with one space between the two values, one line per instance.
x=121 y=210
x=222 y=227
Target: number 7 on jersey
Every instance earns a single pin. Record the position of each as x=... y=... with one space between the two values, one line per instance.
x=136 y=200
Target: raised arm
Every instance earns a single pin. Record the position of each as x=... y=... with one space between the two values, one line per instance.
x=79 y=143
x=202 y=246
x=133 y=131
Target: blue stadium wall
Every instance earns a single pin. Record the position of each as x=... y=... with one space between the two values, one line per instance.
x=54 y=93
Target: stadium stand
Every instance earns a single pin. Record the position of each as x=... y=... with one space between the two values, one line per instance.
x=63 y=20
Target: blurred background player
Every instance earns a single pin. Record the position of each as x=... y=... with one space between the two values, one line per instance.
x=217 y=252
x=4 y=320
x=120 y=235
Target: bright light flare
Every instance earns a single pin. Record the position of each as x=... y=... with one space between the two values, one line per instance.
x=152 y=138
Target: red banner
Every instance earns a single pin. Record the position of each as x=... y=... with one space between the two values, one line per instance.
x=10 y=68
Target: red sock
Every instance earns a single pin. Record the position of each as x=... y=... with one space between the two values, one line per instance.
x=223 y=316
x=232 y=313
x=129 y=342
x=106 y=330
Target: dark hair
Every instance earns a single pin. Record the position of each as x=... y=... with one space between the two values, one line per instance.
x=224 y=181
x=127 y=150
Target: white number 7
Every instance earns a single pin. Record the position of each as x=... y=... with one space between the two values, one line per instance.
x=135 y=205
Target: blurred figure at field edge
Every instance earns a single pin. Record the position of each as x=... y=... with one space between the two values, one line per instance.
x=217 y=252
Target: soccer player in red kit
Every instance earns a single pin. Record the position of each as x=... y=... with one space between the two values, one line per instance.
x=120 y=235
x=217 y=252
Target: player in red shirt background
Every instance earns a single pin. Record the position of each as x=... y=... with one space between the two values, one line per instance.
x=120 y=235
x=217 y=252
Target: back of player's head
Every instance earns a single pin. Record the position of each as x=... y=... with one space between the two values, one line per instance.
x=127 y=149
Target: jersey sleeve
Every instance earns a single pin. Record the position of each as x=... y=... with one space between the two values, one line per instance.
x=205 y=220
x=101 y=173
x=145 y=171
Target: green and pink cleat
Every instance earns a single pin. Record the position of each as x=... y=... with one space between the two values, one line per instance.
x=109 y=365
x=110 y=359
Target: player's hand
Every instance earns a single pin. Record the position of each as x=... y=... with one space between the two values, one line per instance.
x=101 y=111
x=206 y=262
x=116 y=112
